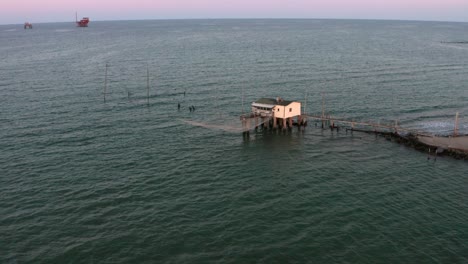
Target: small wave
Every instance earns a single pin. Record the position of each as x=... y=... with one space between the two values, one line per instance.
x=63 y=30
x=11 y=29
x=454 y=42
x=436 y=127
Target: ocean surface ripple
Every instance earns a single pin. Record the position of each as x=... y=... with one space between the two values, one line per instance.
x=134 y=179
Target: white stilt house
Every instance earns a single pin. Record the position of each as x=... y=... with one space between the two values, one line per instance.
x=278 y=109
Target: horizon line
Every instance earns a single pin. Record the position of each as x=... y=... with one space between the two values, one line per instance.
x=248 y=18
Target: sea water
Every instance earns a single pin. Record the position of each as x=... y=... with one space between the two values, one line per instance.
x=133 y=179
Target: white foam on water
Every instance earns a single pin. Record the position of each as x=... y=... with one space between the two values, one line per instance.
x=437 y=127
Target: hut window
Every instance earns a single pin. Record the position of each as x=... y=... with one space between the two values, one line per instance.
x=278 y=109
x=290 y=109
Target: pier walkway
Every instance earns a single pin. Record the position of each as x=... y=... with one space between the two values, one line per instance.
x=360 y=125
x=457 y=144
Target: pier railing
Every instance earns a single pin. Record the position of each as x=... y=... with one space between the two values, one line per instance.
x=335 y=121
x=254 y=115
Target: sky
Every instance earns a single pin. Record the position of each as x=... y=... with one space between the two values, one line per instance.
x=36 y=11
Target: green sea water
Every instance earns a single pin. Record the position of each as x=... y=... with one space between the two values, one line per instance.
x=135 y=180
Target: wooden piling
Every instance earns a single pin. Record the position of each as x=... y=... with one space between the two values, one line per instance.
x=105 y=83
x=455 y=130
x=147 y=84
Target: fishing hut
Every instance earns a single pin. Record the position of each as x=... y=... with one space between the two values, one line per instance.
x=27 y=25
x=273 y=113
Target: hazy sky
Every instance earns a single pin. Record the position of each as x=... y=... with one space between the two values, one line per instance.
x=20 y=11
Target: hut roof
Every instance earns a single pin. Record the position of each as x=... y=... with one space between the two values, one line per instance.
x=269 y=101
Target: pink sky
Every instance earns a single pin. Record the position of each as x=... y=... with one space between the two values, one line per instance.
x=19 y=11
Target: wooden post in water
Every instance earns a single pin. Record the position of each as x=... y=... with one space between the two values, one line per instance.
x=323 y=109
x=105 y=83
x=244 y=126
x=246 y=122
x=242 y=99
x=147 y=84
x=305 y=104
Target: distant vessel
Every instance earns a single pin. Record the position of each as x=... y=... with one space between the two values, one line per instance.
x=27 y=25
x=83 y=22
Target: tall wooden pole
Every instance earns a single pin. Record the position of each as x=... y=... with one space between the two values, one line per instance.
x=305 y=104
x=323 y=109
x=242 y=99
x=147 y=83
x=323 y=106
x=105 y=83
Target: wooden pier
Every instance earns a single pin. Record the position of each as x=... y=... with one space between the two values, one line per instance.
x=336 y=123
x=455 y=146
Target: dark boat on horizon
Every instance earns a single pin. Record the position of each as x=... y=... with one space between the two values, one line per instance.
x=83 y=22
